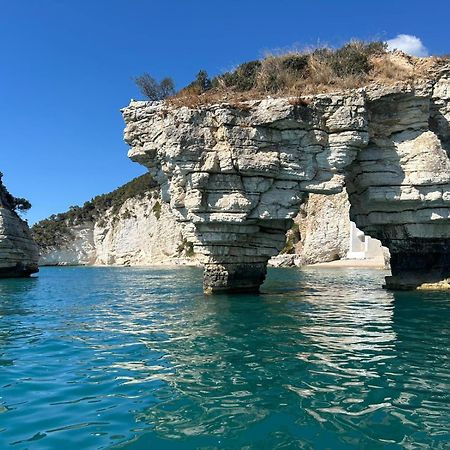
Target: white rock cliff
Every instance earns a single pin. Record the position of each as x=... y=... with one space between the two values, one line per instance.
x=142 y=232
x=237 y=176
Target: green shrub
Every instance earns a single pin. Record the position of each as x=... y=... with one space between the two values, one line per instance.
x=295 y=63
x=201 y=84
x=21 y=204
x=351 y=59
x=157 y=210
x=126 y=215
x=186 y=247
x=17 y=204
x=242 y=79
x=292 y=238
x=51 y=232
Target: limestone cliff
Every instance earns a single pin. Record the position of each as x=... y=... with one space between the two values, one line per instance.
x=18 y=252
x=139 y=231
x=322 y=232
x=237 y=175
x=144 y=231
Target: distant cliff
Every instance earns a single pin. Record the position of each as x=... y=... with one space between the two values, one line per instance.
x=320 y=233
x=133 y=226
x=129 y=226
x=18 y=252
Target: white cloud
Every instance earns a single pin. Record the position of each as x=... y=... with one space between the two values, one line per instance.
x=409 y=44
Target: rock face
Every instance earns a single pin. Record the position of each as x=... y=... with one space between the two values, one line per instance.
x=142 y=232
x=322 y=232
x=238 y=176
x=18 y=252
x=324 y=226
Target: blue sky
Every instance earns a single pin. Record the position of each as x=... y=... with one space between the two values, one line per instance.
x=67 y=66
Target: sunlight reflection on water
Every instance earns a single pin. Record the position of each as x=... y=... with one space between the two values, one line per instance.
x=139 y=358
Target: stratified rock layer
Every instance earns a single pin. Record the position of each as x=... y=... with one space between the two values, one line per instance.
x=142 y=232
x=18 y=252
x=237 y=176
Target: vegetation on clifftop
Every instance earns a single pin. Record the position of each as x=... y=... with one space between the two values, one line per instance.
x=300 y=73
x=153 y=90
x=56 y=229
x=17 y=204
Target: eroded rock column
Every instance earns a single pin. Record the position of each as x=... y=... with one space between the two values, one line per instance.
x=235 y=256
x=239 y=176
x=231 y=277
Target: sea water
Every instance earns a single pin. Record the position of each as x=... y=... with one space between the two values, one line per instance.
x=139 y=358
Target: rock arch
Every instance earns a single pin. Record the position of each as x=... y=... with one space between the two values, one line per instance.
x=238 y=175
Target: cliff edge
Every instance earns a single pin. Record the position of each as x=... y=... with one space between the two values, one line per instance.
x=18 y=252
x=130 y=226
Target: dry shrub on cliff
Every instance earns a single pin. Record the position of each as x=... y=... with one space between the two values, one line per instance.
x=389 y=67
x=296 y=74
x=153 y=90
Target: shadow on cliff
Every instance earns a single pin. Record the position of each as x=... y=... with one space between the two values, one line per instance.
x=374 y=182
x=439 y=124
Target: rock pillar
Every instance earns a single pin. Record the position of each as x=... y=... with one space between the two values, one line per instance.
x=235 y=255
x=422 y=264
x=238 y=174
x=399 y=185
x=233 y=278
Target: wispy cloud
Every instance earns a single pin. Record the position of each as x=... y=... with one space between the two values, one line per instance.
x=409 y=44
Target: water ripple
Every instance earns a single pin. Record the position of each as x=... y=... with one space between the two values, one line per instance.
x=139 y=358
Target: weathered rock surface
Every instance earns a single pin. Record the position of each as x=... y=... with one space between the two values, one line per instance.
x=324 y=228
x=18 y=252
x=142 y=232
x=238 y=176
x=322 y=232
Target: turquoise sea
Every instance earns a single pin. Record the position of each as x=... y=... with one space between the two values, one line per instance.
x=139 y=358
